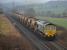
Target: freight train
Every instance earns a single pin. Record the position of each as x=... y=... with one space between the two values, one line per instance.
x=46 y=29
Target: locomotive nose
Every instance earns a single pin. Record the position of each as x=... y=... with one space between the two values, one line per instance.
x=50 y=33
x=50 y=30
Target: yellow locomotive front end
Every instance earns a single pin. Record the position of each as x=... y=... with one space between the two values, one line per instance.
x=50 y=31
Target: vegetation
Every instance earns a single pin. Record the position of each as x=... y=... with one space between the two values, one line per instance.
x=58 y=21
x=50 y=9
x=1 y=10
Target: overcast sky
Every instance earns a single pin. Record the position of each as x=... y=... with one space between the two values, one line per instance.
x=24 y=1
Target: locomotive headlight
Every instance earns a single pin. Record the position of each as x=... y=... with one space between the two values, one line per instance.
x=50 y=30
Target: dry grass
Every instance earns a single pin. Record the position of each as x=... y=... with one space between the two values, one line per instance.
x=10 y=38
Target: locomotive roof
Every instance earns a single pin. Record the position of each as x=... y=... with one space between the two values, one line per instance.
x=42 y=21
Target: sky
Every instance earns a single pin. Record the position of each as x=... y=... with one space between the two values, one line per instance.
x=27 y=1
x=24 y=1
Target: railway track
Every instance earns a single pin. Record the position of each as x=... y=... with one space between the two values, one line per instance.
x=41 y=47
x=34 y=38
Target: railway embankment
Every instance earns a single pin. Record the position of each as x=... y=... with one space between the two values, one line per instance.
x=11 y=38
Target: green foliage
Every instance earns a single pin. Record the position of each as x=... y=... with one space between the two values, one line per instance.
x=56 y=8
x=58 y=21
x=1 y=10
